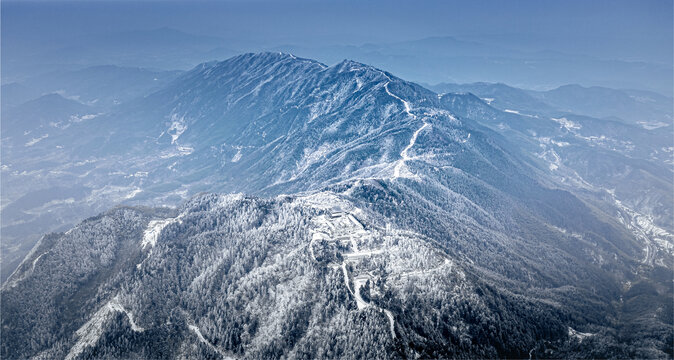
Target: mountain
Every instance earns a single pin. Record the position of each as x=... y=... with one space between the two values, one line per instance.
x=448 y=59
x=500 y=96
x=643 y=108
x=14 y=94
x=381 y=220
x=629 y=156
x=102 y=86
x=47 y=110
x=26 y=205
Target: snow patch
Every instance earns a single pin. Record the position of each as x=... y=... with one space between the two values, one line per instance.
x=237 y=156
x=78 y=119
x=154 y=228
x=652 y=125
x=89 y=334
x=566 y=123
x=177 y=127
x=404 y=156
x=578 y=335
x=34 y=141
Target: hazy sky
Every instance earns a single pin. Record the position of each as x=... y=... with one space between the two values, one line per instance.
x=635 y=30
x=614 y=43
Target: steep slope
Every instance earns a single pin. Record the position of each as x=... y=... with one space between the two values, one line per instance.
x=646 y=109
x=624 y=165
x=451 y=233
x=232 y=276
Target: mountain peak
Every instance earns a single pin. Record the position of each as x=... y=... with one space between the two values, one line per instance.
x=348 y=65
x=268 y=57
x=256 y=63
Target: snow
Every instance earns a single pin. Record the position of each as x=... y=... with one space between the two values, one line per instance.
x=181 y=150
x=549 y=154
x=36 y=259
x=185 y=150
x=153 y=230
x=655 y=238
x=34 y=141
x=566 y=123
x=519 y=113
x=313 y=156
x=196 y=330
x=113 y=193
x=132 y=193
x=445 y=264
x=405 y=103
x=204 y=341
x=403 y=154
x=346 y=277
x=114 y=305
x=358 y=282
x=560 y=143
x=44 y=207
x=392 y=324
x=653 y=125
x=237 y=156
x=579 y=335
x=413 y=140
x=89 y=333
x=78 y=119
x=357 y=255
x=177 y=127
x=341 y=226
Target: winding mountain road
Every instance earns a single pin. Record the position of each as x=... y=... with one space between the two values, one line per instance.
x=341 y=226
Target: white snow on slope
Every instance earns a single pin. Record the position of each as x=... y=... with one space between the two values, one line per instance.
x=78 y=119
x=177 y=127
x=652 y=125
x=405 y=103
x=14 y=279
x=237 y=156
x=154 y=228
x=203 y=340
x=655 y=238
x=90 y=333
x=403 y=154
x=342 y=226
x=578 y=335
x=34 y=141
x=519 y=113
x=112 y=193
x=366 y=246
x=36 y=260
x=566 y=123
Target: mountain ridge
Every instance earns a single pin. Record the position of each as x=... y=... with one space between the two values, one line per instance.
x=371 y=201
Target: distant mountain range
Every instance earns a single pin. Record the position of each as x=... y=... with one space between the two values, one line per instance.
x=428 y=60
x=647 y=109
x=380 y=218
x=447 y=59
